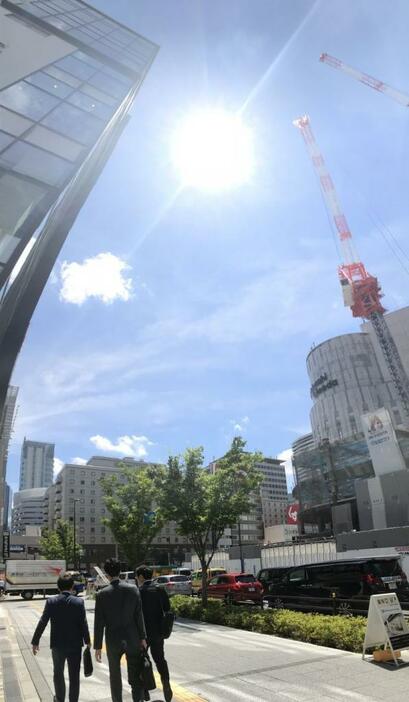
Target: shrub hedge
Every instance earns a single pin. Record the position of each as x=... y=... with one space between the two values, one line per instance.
x=345 y=633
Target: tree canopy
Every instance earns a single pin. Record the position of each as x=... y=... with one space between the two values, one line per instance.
x=58 y=543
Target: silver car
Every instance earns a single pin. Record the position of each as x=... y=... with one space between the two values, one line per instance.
x=175 y=584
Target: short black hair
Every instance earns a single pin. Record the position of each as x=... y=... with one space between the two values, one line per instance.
x=112 y=567
x=145 y=571
x=65 y=582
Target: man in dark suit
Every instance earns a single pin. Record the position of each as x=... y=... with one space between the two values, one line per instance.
x=118 y=612
x=155 y=601
x=69 y=632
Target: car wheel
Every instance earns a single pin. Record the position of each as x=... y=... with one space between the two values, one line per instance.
x=345 y=609
x=277 y=603
x=27 y=595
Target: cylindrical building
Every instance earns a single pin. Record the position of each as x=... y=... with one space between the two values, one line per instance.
x=347 y=381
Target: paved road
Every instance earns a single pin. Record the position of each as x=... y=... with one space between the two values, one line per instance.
x=218 y=664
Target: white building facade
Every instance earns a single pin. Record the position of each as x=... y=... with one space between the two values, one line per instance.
x=28 y=509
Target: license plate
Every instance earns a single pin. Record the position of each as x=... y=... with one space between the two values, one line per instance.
x=251 y=589
x=392 y=586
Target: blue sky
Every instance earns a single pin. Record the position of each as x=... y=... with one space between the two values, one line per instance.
x=219 y=297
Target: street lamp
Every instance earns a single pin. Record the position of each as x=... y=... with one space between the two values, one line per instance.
x=75 y=533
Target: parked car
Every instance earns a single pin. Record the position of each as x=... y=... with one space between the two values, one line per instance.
x=79 y=581
x=236 y=587
x=342 y=586
x=270 y=576
x=196 y=577
x=175 y=584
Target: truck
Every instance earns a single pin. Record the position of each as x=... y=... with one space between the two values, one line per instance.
x=29 y=578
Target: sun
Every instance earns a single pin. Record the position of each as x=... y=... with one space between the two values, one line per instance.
x=213 y=150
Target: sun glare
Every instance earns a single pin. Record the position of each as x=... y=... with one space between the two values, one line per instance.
x=213 y=150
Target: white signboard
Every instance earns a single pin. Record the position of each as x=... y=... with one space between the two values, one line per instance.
x=386 y=624
x=383 y=446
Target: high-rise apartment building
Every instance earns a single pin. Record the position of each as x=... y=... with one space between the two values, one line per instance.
x=36 y=465
x=68 y=77
x=80 y=484
x=6 y=428
x=28 y=509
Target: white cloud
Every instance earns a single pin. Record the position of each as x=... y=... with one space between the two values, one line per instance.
x=135 y=446
x=101 y=277
x=286 y=456
x=78 y=461
x=58 y=465
x=240 y=425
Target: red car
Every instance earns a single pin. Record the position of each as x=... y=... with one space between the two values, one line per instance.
x=236 y=587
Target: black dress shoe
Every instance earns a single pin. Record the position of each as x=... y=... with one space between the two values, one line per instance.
x=167 y=691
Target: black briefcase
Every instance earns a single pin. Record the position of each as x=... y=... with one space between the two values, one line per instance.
x=167 y=622
x=147 y=676
x=87 y=660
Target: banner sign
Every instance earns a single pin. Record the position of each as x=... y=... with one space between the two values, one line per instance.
x=6 y=544
x=292 y=513
x=383 y=446
x=386 y=625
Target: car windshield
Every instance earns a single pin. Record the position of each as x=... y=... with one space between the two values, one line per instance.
x=245 y=579
x=385 y=568
x=179 y=579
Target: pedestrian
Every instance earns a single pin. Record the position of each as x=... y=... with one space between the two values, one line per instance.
x=155 y=602
x=118 y=613
x=69 y=632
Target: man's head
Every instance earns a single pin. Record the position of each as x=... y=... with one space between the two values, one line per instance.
x=112 y=568
x=143 y=573
x=65 y=583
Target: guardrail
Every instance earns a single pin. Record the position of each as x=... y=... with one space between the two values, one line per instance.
x=347 y=606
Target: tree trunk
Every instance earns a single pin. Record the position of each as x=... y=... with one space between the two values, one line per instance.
x=204 y=582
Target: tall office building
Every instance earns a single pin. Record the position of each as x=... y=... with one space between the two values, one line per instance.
x=68 y=77
x=28 y=509
x=8 y=496
x=6 y=428
x=36 y=465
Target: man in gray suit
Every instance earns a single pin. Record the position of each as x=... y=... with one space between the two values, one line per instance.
x=118 y=612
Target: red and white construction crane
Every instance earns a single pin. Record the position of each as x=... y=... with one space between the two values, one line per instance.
x=374 y=83
x=361 y=291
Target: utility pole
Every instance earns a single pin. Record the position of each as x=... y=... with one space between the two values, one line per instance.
x=240 y=546
x=75 y=533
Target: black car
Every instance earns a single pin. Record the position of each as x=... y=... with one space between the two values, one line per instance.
x=270 y=576
x=339 y=586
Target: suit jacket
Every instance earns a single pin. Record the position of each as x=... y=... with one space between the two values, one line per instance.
x=118 y=612
x=155 y=601
x=69 y=627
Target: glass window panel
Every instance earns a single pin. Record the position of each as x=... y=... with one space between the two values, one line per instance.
x=12 y=123
x=5 y=140
x=63 y=4
x=89 y=104
x=59 y=23
x=88 y=59
x=28 y=100
x=61 y=146
x=44 y=6
x=62 y=75
x=35 y=163
x=82 y=34
x=119 y=76
x=98 y=94
x=36 y=11
x=17 y=198
x=74 y=123
x=7 y=245
x=50 y=84
x=77 y=68
x=108 y=85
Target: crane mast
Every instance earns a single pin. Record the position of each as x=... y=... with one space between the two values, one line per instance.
x=361 y=291
x=366 y=79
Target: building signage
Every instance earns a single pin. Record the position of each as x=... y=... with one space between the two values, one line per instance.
x=386 y=625
x=292 y=513
x=383 y=446
x=321 y=384
x=17 y=548
x=6 y=544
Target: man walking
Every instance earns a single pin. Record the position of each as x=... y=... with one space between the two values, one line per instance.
x=69 y=632
x=155 y=601
x=118 y=613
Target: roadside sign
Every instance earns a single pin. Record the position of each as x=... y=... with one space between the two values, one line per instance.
x=386 y=625
x=6 y=544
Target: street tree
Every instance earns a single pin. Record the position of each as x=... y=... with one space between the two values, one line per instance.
x=131 y=498
x=58 y=543
x=205 y=503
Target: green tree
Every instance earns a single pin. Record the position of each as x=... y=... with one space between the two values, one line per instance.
x=204 y=504
x=134 y=517
x=58 y=543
